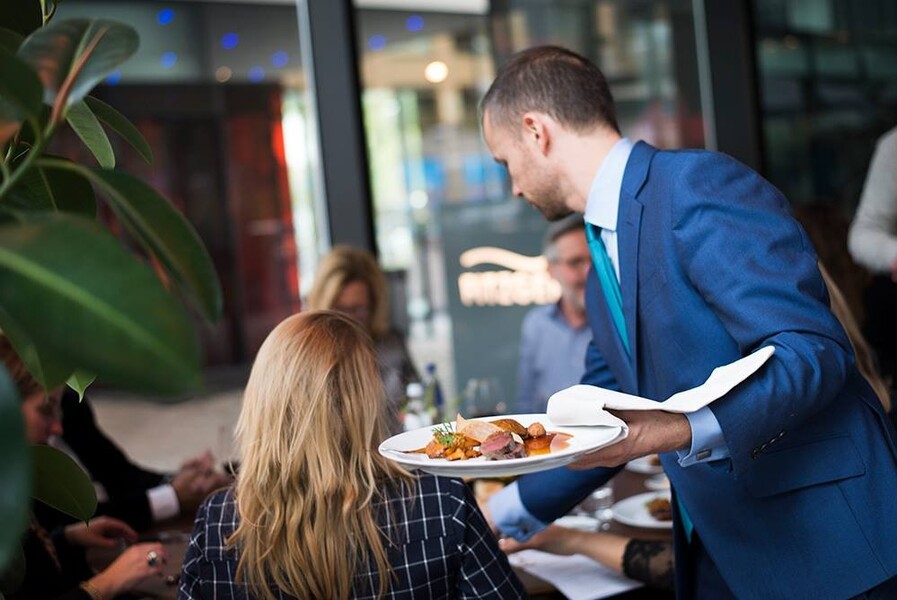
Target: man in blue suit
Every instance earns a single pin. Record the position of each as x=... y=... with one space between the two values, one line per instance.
x=783 y=488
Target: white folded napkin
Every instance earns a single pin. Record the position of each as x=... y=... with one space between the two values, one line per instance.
x=586 y=404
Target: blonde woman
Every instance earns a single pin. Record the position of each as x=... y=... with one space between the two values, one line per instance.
x=316 y=512
x=350 y=281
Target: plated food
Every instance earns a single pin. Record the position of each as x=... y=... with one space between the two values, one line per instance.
x=660 y=509
x=651 y=510
x=500 y=439
x=542 y=452
x=647 y=465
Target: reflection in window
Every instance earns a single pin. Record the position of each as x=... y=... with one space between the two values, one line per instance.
x=216 y=88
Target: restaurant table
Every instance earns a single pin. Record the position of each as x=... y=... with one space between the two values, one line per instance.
x=625 y=484
x=174 y=534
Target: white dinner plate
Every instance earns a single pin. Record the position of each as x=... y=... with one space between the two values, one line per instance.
x=580 y=522
x=657 y=482
x=583 y=440
x=643 y=465
x=632 y=511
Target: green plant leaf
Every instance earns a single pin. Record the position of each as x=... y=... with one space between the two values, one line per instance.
x=78 y=294
x=54 y=189
x=59 y=482
x=15 y=470
x=80 y=381
x=122 y=126
x=12 y=575
x=88 y=128
x=74 y=55
x=10 y=40
x=50 y=370
x=20 y=94
x=165 y=233
x=22 y=16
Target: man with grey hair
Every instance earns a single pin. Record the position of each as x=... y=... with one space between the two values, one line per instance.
x=554 y=338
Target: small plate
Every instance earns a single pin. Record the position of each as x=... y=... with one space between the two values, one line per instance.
x=632 y=511
x=580 y=522
x=582 y=441
x=657 y=482
x=643 y=465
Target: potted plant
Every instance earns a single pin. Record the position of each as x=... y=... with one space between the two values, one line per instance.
x=74 y=302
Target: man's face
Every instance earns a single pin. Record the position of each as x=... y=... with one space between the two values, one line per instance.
x=570 y=267
x=533 y=178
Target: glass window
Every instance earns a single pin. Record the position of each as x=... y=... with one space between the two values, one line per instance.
x=217 y=88
x=442 y=205
x=828 y=79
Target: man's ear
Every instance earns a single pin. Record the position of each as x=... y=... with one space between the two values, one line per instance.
x=536 y=131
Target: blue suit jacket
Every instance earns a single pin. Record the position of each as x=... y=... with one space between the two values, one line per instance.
x=713 y=267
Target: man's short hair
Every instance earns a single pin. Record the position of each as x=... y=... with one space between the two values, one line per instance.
x=554 y=81
x=572 y=222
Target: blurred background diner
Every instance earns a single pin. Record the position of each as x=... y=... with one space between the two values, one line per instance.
x=285 y=130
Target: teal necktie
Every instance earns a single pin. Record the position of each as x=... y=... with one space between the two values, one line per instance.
x=609 y=284
x=611 y=288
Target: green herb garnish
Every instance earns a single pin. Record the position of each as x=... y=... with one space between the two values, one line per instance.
x=445 y=434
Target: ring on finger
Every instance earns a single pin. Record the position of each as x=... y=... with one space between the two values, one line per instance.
x=152 y=558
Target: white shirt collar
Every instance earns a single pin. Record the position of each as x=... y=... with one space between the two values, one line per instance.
x=603 y=202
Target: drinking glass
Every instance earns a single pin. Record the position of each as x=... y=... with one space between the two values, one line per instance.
x=598 y=506
x=484 y=397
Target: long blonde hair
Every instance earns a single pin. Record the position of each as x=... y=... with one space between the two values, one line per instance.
x=313 y=413
x=340 y=267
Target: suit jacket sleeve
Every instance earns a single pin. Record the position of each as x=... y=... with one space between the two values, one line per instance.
x=548 y=495
x=125 y=482
x=598 y=372
x=756 y=270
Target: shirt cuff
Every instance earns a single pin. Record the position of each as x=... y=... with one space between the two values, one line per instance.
x=511 y=517
x=707 y=441
x=163 y=502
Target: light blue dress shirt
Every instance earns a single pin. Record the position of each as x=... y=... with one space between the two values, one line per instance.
x=708 y=444
x=552 y=357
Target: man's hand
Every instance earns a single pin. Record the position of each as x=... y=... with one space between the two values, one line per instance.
x=102 y=532
x=650 y=432
x=193 y=483
x=894 y=271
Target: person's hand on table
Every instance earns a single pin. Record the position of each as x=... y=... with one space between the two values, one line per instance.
x=650 y=432
x=201 y=462
x=196 y=480
x=553 y=539
x=102 y=532
x=605 y=548
x=137 y=565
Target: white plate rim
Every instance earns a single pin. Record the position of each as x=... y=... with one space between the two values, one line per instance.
x=479 y=467
x=641 y=465
x=642 y=517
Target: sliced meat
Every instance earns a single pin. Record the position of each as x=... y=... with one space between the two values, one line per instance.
x=502 y=445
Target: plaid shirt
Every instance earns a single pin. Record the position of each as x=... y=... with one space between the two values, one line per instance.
x=445 y=549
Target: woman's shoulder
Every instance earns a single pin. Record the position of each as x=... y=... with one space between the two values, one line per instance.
x=430 y=495
x=219 y=509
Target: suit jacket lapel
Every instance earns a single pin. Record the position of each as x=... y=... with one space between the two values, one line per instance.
x=628 y=228
x=605 y=335
x=629 y=221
